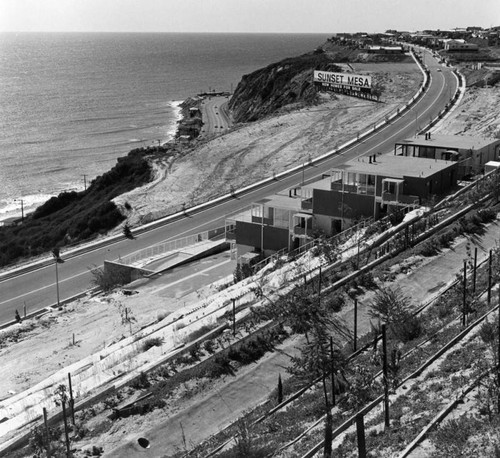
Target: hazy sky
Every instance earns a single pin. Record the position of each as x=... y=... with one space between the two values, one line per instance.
x=294 y=16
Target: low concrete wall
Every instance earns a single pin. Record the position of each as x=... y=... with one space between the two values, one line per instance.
x=128 y=273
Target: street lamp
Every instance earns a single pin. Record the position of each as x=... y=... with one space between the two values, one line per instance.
x=58 y=260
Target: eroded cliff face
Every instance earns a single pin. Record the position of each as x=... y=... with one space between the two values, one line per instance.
x=284 y=83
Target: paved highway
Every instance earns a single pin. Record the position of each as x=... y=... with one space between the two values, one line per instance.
x=37 y=289
x=215 y=116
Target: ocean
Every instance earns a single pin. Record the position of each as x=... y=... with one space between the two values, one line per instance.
x=71 y=103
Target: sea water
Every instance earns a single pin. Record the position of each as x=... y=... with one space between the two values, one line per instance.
x=71 y=103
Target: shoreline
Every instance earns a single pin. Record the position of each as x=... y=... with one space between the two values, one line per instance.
x=10 y=207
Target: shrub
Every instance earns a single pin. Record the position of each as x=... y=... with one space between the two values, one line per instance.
x=335 y=302
x=201 y=332
x=209 y=347
x=470 y=224
x=38 y=439
x=194 y=351
x=487 y=215
x=488 y=332
x=446 y=238
x=152 y=342
x=429 y=248
x=219 y=366
x=241 y=272
x=108 y=279
x=451 y=437
x=407 y=327
x=367 y=281
x=141 y=382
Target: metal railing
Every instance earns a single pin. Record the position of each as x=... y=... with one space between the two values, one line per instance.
x=171 y=246
x=336 y=239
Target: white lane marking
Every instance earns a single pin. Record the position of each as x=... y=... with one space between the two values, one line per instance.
x=40 y=289
x=201 y=272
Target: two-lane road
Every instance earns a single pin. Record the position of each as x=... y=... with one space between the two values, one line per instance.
x=37 y=288
x=215 y=116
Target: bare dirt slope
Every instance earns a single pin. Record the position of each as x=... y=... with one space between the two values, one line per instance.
x=478 y=114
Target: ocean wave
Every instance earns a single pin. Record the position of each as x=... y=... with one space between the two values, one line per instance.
x=102 y=118
x=122 y=130
x=12 y=207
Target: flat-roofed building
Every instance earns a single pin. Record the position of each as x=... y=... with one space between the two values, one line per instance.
x=271 y=224
x=373 y=186
x=470 y=152
x=369 y=187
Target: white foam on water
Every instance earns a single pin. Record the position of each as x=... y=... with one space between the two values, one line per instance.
x=10 y=208
x=177 y=111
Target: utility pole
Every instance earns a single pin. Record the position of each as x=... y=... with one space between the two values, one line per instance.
x=332 y=362
x=489 y=279
x=57 y=258
x=234 y=317
x=475 y=268
x=22 y=209
x=464 y=305
x=84 y=182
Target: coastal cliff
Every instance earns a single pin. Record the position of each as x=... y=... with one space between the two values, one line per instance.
x=281 y=84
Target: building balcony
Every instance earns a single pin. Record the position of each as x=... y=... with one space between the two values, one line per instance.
x=299 y=231
x=353 y=189
x=401 y=199
x=307 y=204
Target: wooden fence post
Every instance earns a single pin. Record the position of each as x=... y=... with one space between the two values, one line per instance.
x=47 y=432
x=385 y=375
x=360 y=429
x=71 y=399
x=355 y=324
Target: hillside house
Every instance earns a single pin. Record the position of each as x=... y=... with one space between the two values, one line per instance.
x=471 y=153
x=369 y=187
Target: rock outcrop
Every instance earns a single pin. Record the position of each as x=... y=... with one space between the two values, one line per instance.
x=281 y=84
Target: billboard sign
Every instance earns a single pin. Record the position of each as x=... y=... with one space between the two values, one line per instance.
x=342 y=81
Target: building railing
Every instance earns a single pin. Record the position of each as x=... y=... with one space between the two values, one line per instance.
x=307 y=204
x=298 y=230
x=354 y=189
x=336 y=239
x=156 y=251
x=404 y=199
